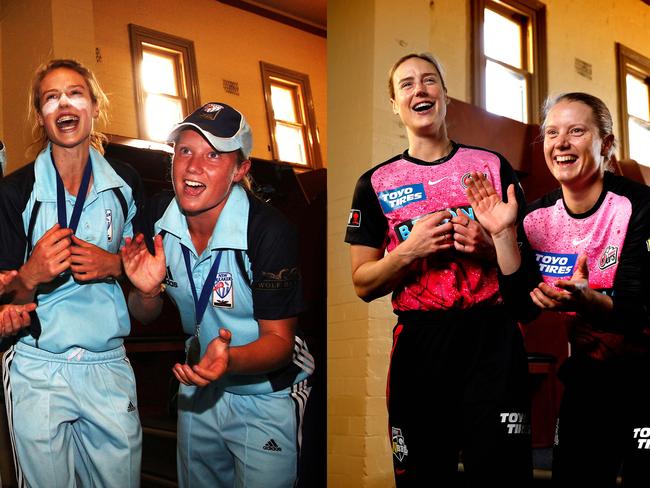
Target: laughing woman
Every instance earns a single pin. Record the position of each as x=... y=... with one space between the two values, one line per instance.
x=71 y=398
x=596 y=228
x=412 y=233
x=236 y=284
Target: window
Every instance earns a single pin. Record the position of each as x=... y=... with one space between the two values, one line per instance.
x=290 y=114
x=508 y=52
x=164 y=70
x=634 y=104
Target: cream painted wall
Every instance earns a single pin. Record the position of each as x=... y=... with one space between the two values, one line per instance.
x=229 y=44
x=603 y=22
x=364 y=39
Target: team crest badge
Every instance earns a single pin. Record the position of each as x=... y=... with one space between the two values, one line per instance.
x=210 y=111
x=400 y=451
x=608 y=258
x=465 y=179
x=222 y=291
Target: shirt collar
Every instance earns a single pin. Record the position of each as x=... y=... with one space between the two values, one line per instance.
x=104 y=176
x=229 y=233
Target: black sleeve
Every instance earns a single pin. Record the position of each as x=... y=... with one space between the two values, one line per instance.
x=515 y=288
x=631 y=295
x=132 y=178
x=367 y=224
x=273 y=253
x=15 y=191
x=509 y=177
x=154 y=208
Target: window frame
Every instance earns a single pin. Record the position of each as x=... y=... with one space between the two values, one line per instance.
x=308 y=114
x=186 y=69
x=531 y=14
x=634 y=63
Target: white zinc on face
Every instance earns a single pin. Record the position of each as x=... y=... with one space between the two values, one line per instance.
x=76 y=99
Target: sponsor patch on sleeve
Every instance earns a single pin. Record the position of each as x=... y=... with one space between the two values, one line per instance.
x=354 y=219
x=556 y=265
x=285 y=278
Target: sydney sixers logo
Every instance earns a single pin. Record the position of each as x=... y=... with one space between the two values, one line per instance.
x=608 y=258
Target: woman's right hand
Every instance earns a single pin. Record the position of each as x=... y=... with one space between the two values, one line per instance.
x=50 y=257
x=494 y=215
x=428 y=236
x=145 y=271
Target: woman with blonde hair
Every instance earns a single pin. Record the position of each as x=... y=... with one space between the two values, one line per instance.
x=70 y=391
x=412 y=233
x=585 y=252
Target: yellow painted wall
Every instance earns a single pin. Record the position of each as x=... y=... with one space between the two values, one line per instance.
x=26 y=42
x=229 y=44
x=364 y=39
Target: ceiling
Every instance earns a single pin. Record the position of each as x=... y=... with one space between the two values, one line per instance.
x=312 y=12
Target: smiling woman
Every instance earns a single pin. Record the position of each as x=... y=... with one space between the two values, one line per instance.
x=245 y=362
x=412 y=233
x=585 y=251
x=64 y=218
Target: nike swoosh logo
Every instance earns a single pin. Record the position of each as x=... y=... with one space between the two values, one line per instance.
x=438 y=181
x=576 y=242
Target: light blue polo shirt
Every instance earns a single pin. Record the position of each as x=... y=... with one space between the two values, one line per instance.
x=233 y=309
x=94 y=315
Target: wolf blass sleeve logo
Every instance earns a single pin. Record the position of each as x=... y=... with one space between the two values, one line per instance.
x=285 y=278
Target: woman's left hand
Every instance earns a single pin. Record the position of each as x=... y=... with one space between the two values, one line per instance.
x=13 y=318
x=6 y=277
x=212 y=365
x=90 y=262
x=573 y=294
x=470 y=237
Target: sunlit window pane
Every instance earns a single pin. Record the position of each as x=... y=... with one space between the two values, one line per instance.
x=161 y=113
x=638 y=102
x=502 y=39
x=505 y=92
x=639 y=142
x=283 y=103
x=290 y=142
x=158 y=74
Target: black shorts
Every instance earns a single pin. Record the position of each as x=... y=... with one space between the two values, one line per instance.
x=458 y=381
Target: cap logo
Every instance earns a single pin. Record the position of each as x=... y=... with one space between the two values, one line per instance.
x=210 y=111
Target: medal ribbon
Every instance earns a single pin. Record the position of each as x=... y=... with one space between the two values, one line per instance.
x=201 y=303
x=79 y=202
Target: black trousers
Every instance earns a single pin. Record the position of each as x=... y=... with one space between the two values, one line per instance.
x=603 y=427
x=458 y=381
